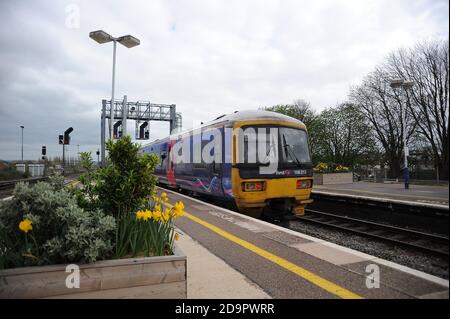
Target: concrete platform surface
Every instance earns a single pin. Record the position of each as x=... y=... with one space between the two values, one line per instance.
x=416 y=193
x=209 y=277
x=287 y=264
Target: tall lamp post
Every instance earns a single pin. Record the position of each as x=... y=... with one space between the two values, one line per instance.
x=129 y=41
x=22 y=127
x=406 y=85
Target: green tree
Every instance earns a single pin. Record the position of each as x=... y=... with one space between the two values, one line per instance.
x=299 y=109
x=342 y=136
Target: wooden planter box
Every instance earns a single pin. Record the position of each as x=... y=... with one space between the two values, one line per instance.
x=333 y=178
x=148 y=277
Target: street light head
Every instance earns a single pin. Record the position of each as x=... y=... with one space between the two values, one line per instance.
x=408 y=84
x=129 y=41
x=22 y=126
x=100 y=36
x=396 y=83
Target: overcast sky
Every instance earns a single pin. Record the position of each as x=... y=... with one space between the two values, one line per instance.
x=207 y=57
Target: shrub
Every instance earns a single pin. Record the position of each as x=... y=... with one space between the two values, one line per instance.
x=321 y=168
x=341 y=169
x=332 y=168
x=42 y=224
x=125 y=188
x=10 y=172
x=125 y=184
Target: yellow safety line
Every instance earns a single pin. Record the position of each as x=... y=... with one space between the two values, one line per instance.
x=305 y=274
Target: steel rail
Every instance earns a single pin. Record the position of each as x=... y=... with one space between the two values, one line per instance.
x=398 y=235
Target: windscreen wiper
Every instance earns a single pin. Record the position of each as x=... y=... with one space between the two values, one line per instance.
x=290 y=152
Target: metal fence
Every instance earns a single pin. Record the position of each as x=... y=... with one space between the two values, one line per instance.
x=381 y=175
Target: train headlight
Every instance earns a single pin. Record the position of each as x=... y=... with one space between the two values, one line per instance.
x=253 y=186
x=303 y=183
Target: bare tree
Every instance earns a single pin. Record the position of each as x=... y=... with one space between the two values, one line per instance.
x=427 y=65
x=383 y=108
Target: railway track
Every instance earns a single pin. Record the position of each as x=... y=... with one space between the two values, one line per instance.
x=6 y=187
x=434 y=244
x=427 y=242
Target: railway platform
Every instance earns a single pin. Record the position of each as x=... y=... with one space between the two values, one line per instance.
x=395 y=192
x=228 y=251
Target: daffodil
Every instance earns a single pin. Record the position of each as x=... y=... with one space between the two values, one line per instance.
x=178 y=209
x=177 y=236
x=157 y=215
x=140 y=214
x=147 y=215
x=164 y=197
x=165 y=216
x=25 y=225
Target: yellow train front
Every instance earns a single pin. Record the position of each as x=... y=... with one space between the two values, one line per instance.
x=279 y=182
x=260 y=161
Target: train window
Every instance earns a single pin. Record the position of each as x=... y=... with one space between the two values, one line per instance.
x=251 y=144
x=294 y=143
x=288 y=145
x=250 y=150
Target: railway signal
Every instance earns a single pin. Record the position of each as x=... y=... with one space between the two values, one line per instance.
x=144 y=134
x=65 y=140
x=67 y=136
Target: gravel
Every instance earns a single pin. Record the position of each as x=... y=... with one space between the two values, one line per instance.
x=434 y=265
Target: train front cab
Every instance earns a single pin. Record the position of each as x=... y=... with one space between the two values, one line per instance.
x=276 y=197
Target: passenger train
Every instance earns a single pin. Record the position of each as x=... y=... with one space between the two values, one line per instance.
x=247 y=144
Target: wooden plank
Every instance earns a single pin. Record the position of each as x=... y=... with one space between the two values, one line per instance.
x=173 y=290
x=101 y=264
x=118 y=276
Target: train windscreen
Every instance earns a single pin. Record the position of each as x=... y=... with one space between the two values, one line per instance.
x=262 y=144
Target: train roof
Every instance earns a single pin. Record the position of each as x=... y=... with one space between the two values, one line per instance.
x=253 y=115
x=240 y=116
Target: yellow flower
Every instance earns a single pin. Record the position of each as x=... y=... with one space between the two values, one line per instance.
x=25 y=225
x=163 y=195
x=165 y=216
x=140 y=214
x=143 y=215
x=178 y=209
x=157 y=215
x=177 y=236
x=158 y=208
x=147 y=215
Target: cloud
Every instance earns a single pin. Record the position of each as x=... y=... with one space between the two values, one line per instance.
x=208 y=57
